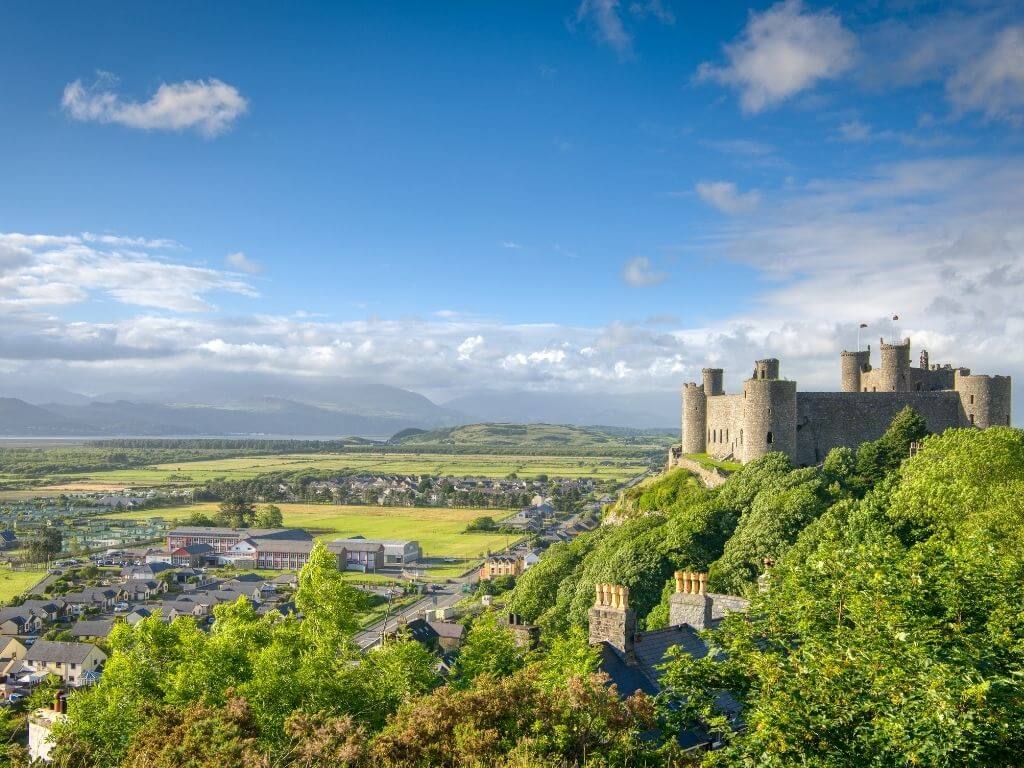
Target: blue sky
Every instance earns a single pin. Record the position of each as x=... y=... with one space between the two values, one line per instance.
x=590 y=195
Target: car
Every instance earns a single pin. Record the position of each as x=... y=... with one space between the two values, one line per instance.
x=121 y=607
x=14 y=698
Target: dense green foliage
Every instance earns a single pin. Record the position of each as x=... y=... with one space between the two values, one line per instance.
x=893 y=631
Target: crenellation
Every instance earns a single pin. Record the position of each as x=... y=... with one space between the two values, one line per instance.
x=771 y=415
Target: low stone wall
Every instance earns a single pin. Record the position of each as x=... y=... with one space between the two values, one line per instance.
x=711 y=477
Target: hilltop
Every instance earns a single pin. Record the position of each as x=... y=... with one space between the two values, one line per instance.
x=538 y=438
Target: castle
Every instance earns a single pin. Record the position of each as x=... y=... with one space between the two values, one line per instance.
x=771 y=415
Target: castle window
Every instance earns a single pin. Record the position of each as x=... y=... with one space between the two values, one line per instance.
x=972 y=399
x=771 y=438
x=741 y=431
x=971 y=417
x=865 y=389
x=709 y=435
x=727 y=435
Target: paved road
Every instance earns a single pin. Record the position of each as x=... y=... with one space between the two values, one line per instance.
x=449 y=596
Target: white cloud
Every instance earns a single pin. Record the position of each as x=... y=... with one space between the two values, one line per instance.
x=638 y=272
x=781 y=52
x=209 y=107
x=470 y=345
x=243 y=263
x=726 y=197
x=513 y=246
x=993 y=83
x=607 y=23
x=47 y=271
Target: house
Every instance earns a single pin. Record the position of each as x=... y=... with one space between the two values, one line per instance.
x=529 y=559
x=16 y=620
x=100 y=598
x=135 y=590
x=47 y=610
x=632 y=659
x=147 y=571
x=138 y=615
x=523 y=521
x=11 y=650
x=362 y=554
x=8 y=539
x=501 y=565
x=401 y=552
x=97 y=629
x=193 y=555
x=69 y=661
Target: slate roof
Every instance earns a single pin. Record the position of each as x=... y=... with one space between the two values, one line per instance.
x=97 y=628
x=52 y=651
x=448 y=629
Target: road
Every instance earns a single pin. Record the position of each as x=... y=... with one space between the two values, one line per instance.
x=445 y=598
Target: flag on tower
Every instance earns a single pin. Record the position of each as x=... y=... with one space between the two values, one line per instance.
x=895 y=317
x=863 y=325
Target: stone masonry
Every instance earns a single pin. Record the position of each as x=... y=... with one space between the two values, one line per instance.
x=771 y=415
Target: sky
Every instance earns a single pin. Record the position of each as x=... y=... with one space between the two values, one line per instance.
x=578 y=195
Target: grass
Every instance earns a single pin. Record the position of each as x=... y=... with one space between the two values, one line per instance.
x=186 y=473
x=706 y=461
x=13 y=583
x=439 y=530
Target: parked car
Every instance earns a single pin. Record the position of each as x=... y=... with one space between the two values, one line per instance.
x=14 y=698
x=121 y=607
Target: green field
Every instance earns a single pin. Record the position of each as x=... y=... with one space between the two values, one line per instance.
x=15 y=582
x=439 y=530
x=192 y=472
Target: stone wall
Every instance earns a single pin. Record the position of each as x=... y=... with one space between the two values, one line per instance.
x=712 y=478
x=724 y=422
x=826 y=420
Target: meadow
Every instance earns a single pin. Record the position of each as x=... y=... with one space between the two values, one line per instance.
x=439 y=530
x=15 y=582
x=242 y=468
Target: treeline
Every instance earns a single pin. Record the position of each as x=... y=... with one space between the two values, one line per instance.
x=41 y=462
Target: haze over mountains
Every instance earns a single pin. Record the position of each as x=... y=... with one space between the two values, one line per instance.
x=266 y=405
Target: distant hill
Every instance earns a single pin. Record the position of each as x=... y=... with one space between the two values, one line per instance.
x=22 y=419
x=539 y=438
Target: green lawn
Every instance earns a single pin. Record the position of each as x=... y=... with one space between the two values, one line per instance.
x=15 y=582
x=706 y=461
x=192 y=472
x=439 y=530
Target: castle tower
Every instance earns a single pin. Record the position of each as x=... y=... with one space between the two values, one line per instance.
x=984 y=400
x=690 y=604
x=769 y=417
x=695 y=419
x=924 y=359
x=611 y=620
x=895 y=371
x=766 y=369
x=853 y=365
x=713 y=382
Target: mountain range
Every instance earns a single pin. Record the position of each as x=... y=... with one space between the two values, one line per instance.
x=263 y=405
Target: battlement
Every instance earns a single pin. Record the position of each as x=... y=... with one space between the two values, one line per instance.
x=771 y=415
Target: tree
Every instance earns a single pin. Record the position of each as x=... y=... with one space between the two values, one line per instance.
x=45 y=544
x=323 y=597
x=236 y=512
x=891 y=633
x=199 y=520
x=269 y=516
x=482 y=523
x=490 y=648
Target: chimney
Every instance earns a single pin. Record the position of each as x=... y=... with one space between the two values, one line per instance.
x=690 y=604
x=611 y=620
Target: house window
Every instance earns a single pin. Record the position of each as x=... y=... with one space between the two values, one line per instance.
x=771 y=439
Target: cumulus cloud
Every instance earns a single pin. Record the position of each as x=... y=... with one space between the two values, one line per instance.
x=43 y=270
x=638 y=272
x=993 y=83
x=604 y=16
x=781 y=52
x=243 y=263
x=466 y=349
x=209 y=107
x=726 y=197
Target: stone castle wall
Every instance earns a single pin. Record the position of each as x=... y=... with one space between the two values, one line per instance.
x=827 y=420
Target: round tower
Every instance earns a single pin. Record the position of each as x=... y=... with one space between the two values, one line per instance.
x=984 y=400
x=713 y=382
x=894 y=374
x=853 y=365
x=695 y=419
x=769 y=418
x=766 y=369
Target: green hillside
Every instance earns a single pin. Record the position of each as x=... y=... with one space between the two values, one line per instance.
x=539 y=438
